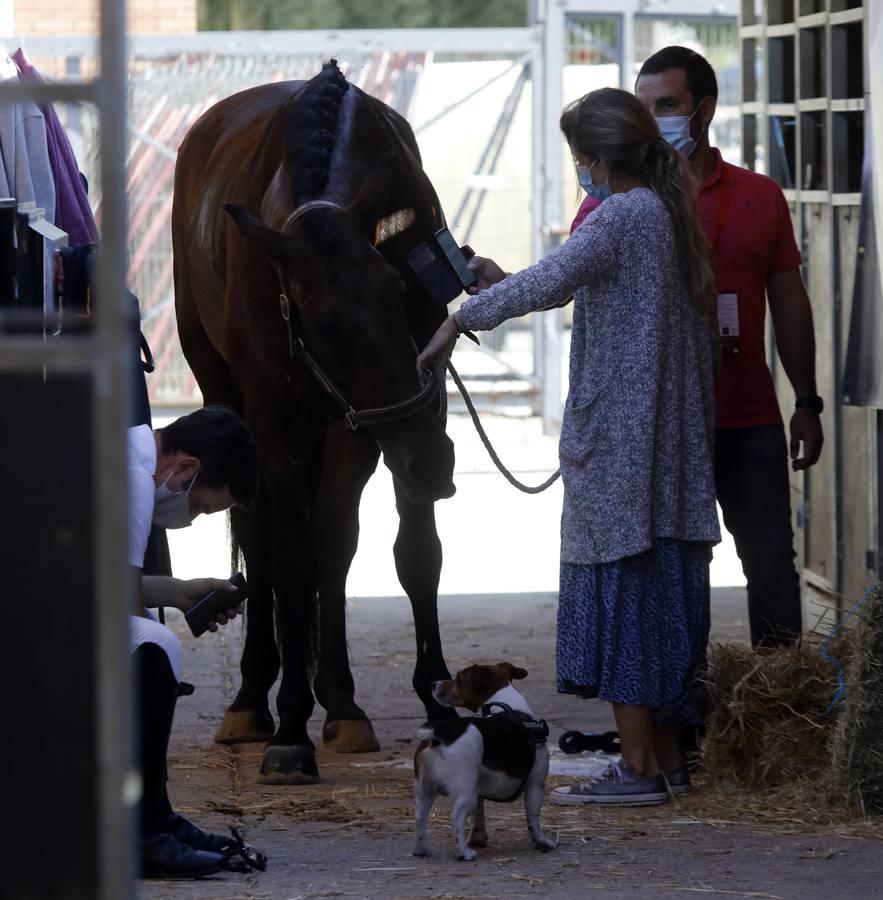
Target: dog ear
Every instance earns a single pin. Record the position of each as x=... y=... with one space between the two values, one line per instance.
x=515 y=672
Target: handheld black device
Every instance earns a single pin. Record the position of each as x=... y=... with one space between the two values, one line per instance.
x=440 y=266
x=434 y=273
x=204 y=611
x=455 y=257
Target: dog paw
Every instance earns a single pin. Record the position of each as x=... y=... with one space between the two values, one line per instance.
x=544 y=844
x=421 y=850
x=478 y=839
x=467 y=856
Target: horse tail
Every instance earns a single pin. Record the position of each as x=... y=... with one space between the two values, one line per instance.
x=238 y=562
x=237 y=557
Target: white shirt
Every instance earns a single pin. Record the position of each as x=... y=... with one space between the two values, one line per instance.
x=142 y=468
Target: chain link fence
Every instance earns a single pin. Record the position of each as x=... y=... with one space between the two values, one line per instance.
x=473 y=116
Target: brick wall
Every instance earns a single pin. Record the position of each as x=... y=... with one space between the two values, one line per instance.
x=61 y=17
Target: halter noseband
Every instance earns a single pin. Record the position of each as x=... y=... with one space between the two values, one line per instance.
x=354 y=419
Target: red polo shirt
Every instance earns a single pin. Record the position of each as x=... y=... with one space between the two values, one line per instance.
x=755 y=241
x=589 y=204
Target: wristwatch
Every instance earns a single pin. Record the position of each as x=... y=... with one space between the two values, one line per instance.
x=816 y=404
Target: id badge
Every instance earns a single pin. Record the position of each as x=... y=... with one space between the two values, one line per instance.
x=728 y=321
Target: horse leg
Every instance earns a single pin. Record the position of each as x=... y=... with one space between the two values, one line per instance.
x=248 y=717
x=350 y=460
x=418 y=557
x=290 y=757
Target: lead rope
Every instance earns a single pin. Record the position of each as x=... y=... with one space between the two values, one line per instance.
x=526 y=488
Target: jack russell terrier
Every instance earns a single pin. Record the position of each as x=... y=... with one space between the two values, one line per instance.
x=498 y=755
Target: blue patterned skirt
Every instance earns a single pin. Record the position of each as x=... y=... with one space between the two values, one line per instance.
x=635 y=630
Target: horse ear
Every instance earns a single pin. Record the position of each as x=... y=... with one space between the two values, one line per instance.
x=368 y=204
x=272 y=242
x=515 y=672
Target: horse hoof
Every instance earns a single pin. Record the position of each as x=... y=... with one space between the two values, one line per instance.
x=292 y=764
x=350 y=736
x=245 y=726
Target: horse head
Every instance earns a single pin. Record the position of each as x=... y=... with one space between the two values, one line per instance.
x=348 y=315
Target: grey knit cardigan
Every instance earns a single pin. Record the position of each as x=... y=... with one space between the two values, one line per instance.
x=636 y=444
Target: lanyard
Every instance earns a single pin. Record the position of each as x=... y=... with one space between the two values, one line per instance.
x=723 y=209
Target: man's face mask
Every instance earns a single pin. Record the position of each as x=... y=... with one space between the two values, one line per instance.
x=676 y=130
x=584 y=175
x=171 y=509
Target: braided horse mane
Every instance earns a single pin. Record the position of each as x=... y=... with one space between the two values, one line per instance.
x=311 y=121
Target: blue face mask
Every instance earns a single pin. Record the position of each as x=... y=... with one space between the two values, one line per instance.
x=676 y=130
x=599 y=191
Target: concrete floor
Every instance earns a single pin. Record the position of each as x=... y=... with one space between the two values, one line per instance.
x=351 y=835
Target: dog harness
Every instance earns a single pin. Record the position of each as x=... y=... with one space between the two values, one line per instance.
x=534 y=731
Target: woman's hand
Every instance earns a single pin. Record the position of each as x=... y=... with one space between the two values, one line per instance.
x=438 y=351
x=488 y=273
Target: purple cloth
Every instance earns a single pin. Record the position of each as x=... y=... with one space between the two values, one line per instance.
x=73 y=213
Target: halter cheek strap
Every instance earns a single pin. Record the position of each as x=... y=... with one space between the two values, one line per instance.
x=353 y=418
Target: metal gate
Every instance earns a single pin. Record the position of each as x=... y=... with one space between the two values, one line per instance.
x=467 y=95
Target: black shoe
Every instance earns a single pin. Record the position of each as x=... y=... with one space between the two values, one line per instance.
x=162 y=856
x=187 y=833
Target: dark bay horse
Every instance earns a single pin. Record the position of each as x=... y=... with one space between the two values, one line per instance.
x=294 y=308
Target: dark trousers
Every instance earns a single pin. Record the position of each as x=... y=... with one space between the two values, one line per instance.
x=157 y=692
x=751 y=470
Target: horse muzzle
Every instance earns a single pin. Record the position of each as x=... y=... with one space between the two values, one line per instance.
x=420 y=456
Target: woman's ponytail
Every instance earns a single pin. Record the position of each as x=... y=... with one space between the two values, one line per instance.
x=669 y=176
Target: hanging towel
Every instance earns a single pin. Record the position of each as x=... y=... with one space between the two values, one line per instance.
x=26 y=173
x=72 y=211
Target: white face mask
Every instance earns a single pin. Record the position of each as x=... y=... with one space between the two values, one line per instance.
x=676 y=130
x=171 y=509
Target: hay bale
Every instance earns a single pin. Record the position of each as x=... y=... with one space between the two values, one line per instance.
x=858 y=742
x=769 y=724
x=773 y=738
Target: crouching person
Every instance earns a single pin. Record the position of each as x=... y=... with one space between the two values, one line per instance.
x=200 y=464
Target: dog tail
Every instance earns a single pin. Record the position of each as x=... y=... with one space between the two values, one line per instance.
x=426 y=732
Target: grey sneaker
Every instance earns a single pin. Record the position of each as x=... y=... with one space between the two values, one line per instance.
x=615 y=785
x=678 y=780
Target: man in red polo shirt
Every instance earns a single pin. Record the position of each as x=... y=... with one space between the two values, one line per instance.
x=748 y=223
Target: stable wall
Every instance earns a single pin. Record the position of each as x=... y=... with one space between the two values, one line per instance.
x=804 y=80
x=33 y=18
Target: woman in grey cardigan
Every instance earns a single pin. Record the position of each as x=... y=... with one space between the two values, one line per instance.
x=639 y=512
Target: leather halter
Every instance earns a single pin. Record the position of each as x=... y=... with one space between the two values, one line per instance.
x=354 y=419
x=306 y=207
